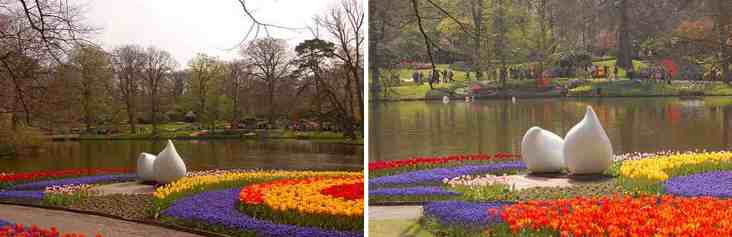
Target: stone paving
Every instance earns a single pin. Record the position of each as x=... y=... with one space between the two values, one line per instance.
x=89 y=225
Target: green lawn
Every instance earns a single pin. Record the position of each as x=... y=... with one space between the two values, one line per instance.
x=408 y=90
x=625 y=87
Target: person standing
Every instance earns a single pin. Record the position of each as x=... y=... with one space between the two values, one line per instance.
x=415 y=77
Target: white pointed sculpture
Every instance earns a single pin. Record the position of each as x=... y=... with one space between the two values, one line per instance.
x=145 y=163
x=169 y=166
x=541 y=150
x=587 y=149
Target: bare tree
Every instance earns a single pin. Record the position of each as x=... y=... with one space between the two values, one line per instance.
x=345 y=24
x=93 y=71
x=239 y=76
x=42 y=30
x=159 y=64
x=272 y=63
x=203 y=71
x=129 y=63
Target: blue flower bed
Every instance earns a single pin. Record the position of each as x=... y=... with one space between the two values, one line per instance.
x=219 y=208
x=464 y=214
x=4 y=223
x=412 y=191
x=81 y=180
x=437 y=175
x=32 y=195
x=715 y=184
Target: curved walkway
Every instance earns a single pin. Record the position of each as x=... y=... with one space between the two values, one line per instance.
x=89 y=225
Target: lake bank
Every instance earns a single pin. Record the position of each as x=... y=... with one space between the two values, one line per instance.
x=557 y=88
x=327 y=137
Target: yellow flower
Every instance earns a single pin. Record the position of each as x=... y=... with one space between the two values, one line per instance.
x=198 y=183
x=656 y=168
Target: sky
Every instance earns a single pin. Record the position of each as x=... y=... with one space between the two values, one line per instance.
x=187 y=27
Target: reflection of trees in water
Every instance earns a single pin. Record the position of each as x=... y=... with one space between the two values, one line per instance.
x=488 y=126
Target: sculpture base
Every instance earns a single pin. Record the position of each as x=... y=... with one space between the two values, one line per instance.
x=548 y=174
x=555 y=180
x=125 y=188
x=589 y=177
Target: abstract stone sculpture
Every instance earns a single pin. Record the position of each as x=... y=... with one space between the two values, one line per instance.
x=541 y=150
x=145 y=163
x=169 y=166
x=587 y=149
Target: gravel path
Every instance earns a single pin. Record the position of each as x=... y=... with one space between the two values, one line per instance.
x=69 y=222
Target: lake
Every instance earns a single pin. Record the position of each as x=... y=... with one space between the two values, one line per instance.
x=399 y=130
x=198 y=155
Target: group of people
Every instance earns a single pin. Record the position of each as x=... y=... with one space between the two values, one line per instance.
x=436 y=78
x=602 y=71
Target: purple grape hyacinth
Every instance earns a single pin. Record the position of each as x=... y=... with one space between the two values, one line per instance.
x=714 y=184
x=42 y=185
x=21 y=195
x=412 y=191
x=219 y=208
x=4 y=223
x=437 y=175
x=464 y=214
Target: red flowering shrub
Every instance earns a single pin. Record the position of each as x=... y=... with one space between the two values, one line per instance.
x=352 y=191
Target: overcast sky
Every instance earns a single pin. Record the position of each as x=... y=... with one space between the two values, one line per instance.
x=187 y=27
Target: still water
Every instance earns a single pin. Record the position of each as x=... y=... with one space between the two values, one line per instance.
x=398 y=130
x=198 y=155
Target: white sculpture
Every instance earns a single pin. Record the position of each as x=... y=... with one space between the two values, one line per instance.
x=445 y=99
x=541 y=150
x=145 y=163
x=169 y=166
x=587 y=149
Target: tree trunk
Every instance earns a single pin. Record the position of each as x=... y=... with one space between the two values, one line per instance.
x=625 y=46
x=271 y=102
x=154 y=105
x=427 y=43
x=500 y=33
x=131 y=116
x=542 y=39
x=477 y=12
x=722 y=23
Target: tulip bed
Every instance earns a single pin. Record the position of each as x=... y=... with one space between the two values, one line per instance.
x=57 y=187
x=9 y=180
x=234 y=202
x=420 y=184
x=391 y=167
x=9 y=230
x=267 y=203
x=305 y=202
x=665 y=194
